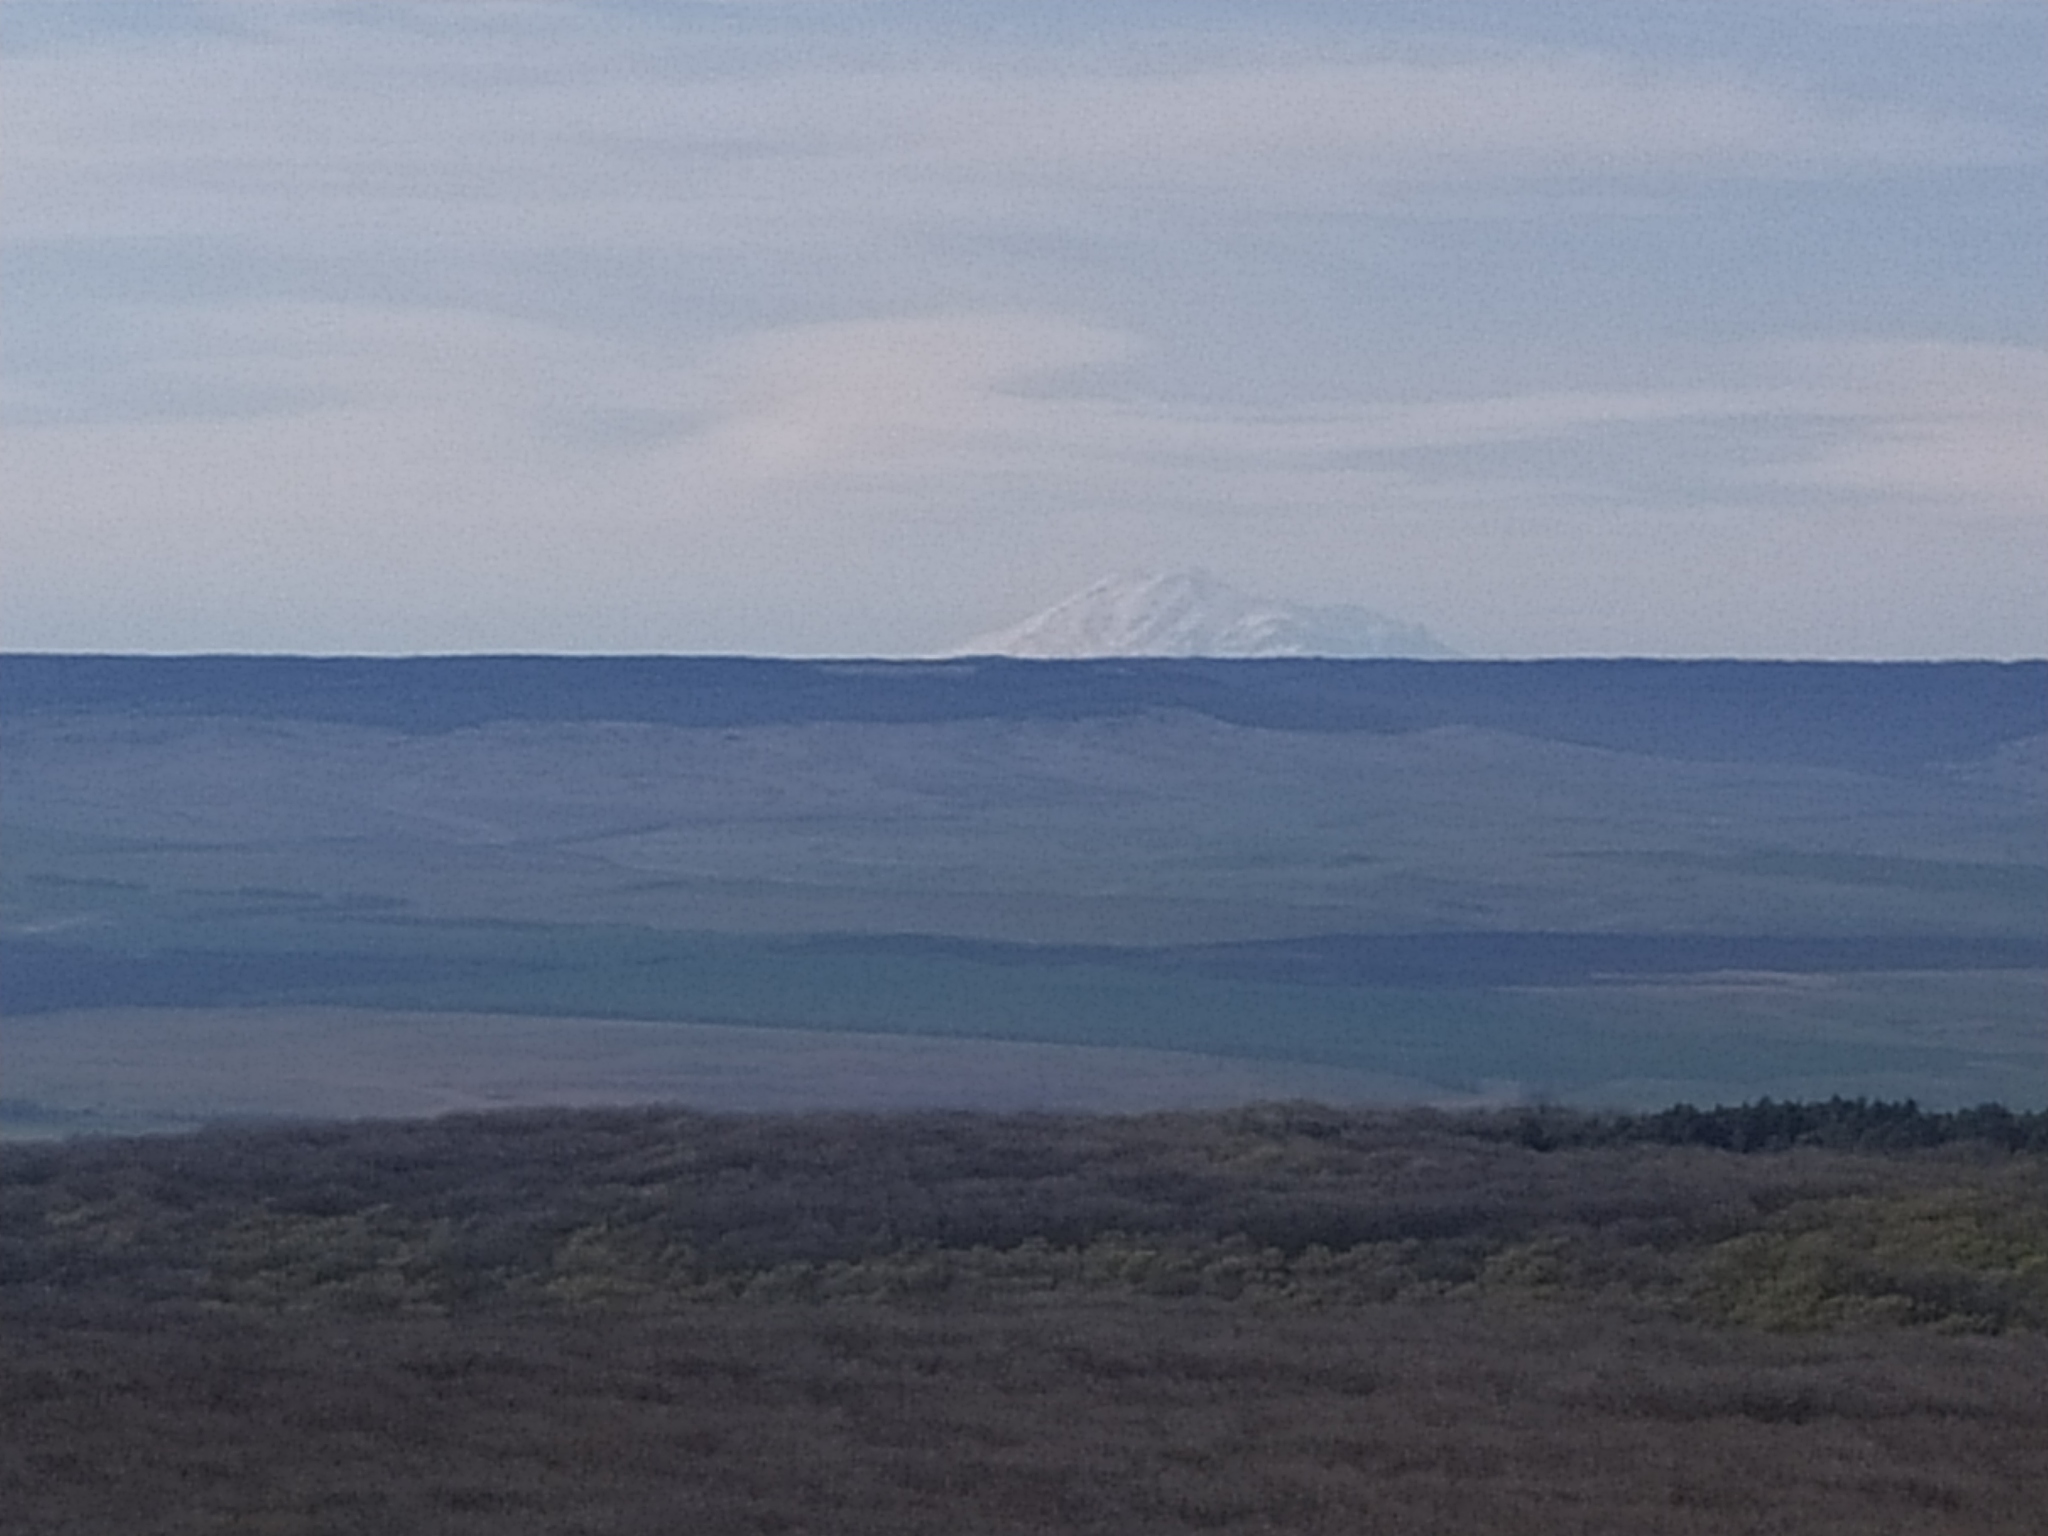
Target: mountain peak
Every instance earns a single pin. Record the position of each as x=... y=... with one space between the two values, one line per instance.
x=1191 y=613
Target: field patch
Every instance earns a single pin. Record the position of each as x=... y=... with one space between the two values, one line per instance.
x=124 y=1070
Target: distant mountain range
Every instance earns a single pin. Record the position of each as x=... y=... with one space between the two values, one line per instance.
x=1190 y=613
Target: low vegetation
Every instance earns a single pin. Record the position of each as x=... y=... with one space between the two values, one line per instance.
x=1776 y=1317
x=1860 y=1211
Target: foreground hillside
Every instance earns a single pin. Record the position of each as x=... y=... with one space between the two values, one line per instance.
x=1818 y=1318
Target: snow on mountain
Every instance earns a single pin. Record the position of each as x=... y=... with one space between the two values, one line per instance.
x=1191 y=613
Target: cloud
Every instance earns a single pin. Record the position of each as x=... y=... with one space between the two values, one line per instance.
x=1953 y=427
x=456 y=421
x=569 y=126
x=1957 y=428
x=1403 y=122
x=853 y=398
x=404 y=459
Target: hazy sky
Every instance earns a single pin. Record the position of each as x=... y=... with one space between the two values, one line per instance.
x=1653 y=328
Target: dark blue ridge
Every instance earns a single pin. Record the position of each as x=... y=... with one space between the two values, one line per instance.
x=1482 y=958
x=1874 y=716
x=42 y=977
x=1561 y=959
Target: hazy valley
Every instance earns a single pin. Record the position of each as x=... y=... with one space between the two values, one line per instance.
x=1603 y=883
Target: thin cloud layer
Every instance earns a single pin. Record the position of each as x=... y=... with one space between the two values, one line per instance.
x=512 y=126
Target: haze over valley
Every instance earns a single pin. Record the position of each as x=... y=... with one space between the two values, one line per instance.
x=1604 y=883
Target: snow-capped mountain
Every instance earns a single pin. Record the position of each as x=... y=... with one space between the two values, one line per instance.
x=1191 y=613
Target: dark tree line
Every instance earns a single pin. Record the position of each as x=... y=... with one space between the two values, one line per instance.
x=1773 y=1125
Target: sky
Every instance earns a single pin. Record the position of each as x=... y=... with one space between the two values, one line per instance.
x=826 y=327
